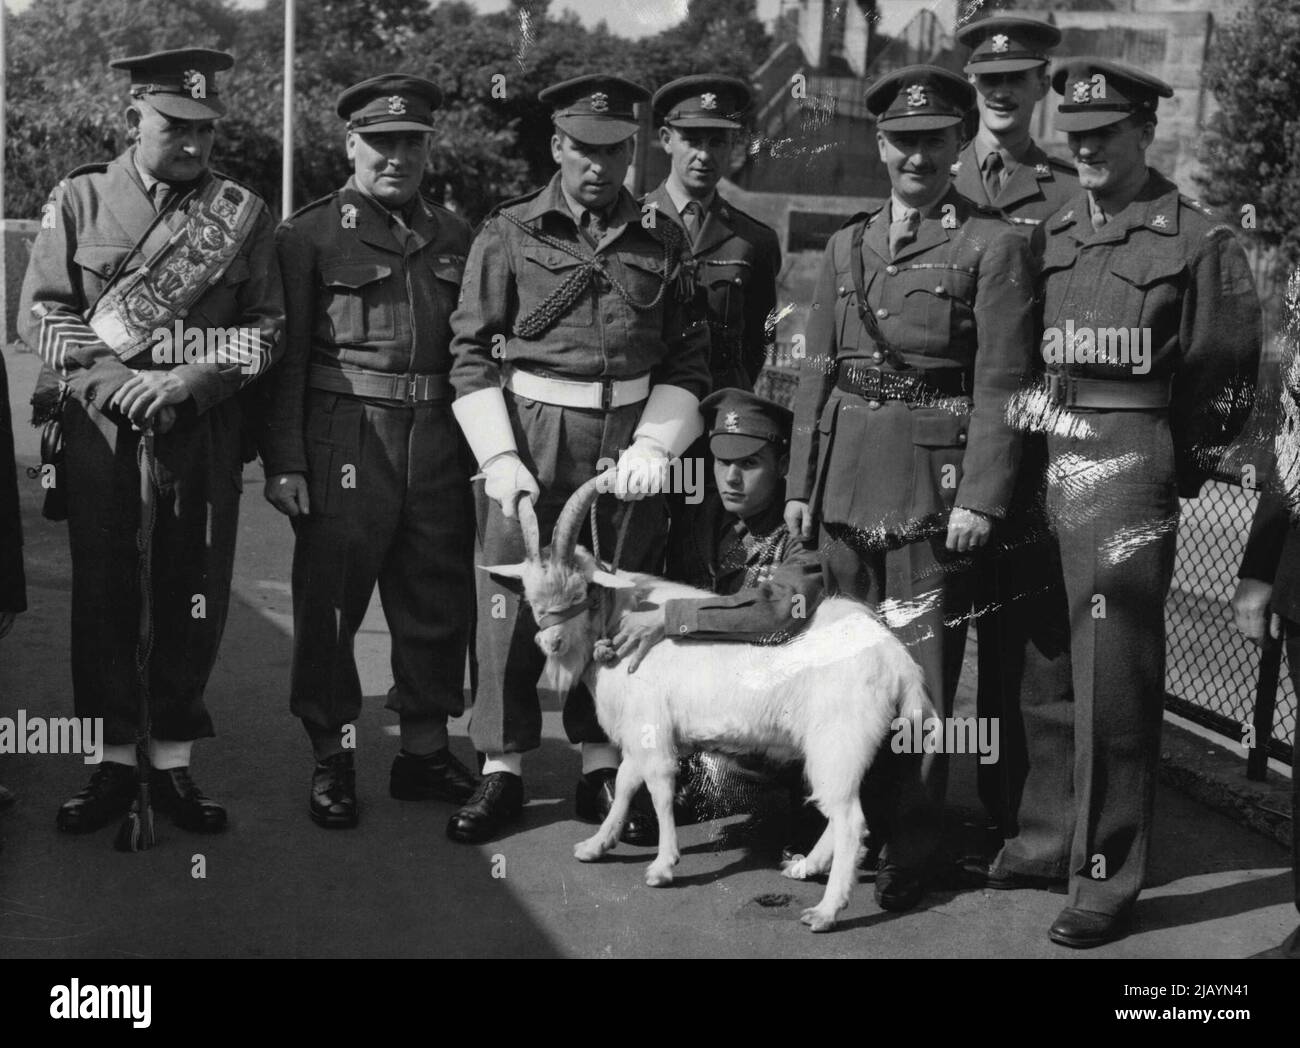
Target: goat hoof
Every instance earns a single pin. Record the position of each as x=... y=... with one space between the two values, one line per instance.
x=656 y=877
x=589 y=851
x=816 y=920
x=796 y=869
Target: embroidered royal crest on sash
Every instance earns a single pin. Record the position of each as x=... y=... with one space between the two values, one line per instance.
x=179 y=273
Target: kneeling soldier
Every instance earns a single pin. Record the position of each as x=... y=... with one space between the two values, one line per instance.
x=573 y=348
x=364 y=456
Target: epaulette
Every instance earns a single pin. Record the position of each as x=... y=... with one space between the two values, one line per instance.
x=1197 y=206
x=862 y=216
x=313 y=205
x=87 y=169
x=746 y=215
x=512 y=202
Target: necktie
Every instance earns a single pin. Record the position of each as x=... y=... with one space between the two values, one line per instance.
x=163 y=194
x=993 y=170
x=593 y=224
x=903 y=232
x=694 y=218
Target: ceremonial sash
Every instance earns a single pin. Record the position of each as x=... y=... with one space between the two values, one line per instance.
x=170 y=282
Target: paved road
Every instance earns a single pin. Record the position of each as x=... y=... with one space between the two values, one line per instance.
x=277 y=886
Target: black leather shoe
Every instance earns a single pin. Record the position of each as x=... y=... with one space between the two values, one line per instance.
x=497 y=801
x=176 y=794
x=1083 y=929
x=595 y=796
x=898 y=888
x=106 y=797
x=436 y=777
x=979 y=874
x=334 y=792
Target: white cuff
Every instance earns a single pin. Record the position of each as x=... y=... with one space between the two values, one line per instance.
x=671 y=419
x=485 y=423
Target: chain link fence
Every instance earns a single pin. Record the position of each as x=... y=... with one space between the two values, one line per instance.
x=1212 y=672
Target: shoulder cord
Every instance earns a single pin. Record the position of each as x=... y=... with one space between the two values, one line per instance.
x=549 y=313
x=864 y=313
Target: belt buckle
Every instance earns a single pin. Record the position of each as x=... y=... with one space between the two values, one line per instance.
x=873 y=384
x=607 y=394
x=412 y=388
x=1057 y=387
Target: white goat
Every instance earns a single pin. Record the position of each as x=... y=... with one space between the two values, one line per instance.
x=829 y=696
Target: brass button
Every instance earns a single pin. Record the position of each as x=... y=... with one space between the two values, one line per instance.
x=873 y=404
x=877 y=356
x=882 y=312
x=891 y=270
x=961 y=438
x=842 y=289
x=941 y=290
x=609 y=318
x=681 y=629
x=737 y=281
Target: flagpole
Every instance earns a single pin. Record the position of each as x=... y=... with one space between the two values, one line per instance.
x=286 y=167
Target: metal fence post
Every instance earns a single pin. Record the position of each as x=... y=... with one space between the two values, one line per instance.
x=1270 y=668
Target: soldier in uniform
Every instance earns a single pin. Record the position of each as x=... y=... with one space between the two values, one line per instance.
x=102 y=321
x=922 y=327
x=13 y=585
x=1003 y=166
x=573 y=348
x=735 y=258
x=1022 y=624
x=1267 y=606
x=364 y=456
x=1151 y=335
x=734 y=541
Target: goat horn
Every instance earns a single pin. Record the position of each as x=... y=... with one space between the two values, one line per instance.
x=528 y=522
x=569 y=524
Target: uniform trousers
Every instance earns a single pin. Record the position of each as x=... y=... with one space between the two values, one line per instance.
x=1025 y=679
x=390 y=503
x=1113 y=500
x=903 y=793
x=562 y=448
x=199 y=481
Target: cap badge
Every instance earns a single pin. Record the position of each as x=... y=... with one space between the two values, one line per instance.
x=191 y=77
x=709 y=101
x=1042 y=169
x=732 y=422
x=1082 y=91
x=916 y=96
x=599 y=102
x=1068 y=215
x=396 y=105
x=1001 y=43
x=1160 y=221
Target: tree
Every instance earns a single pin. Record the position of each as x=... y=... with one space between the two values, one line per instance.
x=1251 y=150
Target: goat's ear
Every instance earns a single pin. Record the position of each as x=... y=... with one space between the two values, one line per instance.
x=604 y=578
x=507 y=571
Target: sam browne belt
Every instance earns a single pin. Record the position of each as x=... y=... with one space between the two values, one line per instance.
x=914 y=387
x=381 y=385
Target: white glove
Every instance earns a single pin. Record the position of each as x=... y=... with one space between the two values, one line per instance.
x=642 y=470
x=671 y=420
x=486 y=424
x=507 y=479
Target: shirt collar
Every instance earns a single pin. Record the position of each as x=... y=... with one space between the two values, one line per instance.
x=681 y=198
x=897 y=209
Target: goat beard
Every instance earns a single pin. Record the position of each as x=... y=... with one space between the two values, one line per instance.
x=559 y=677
